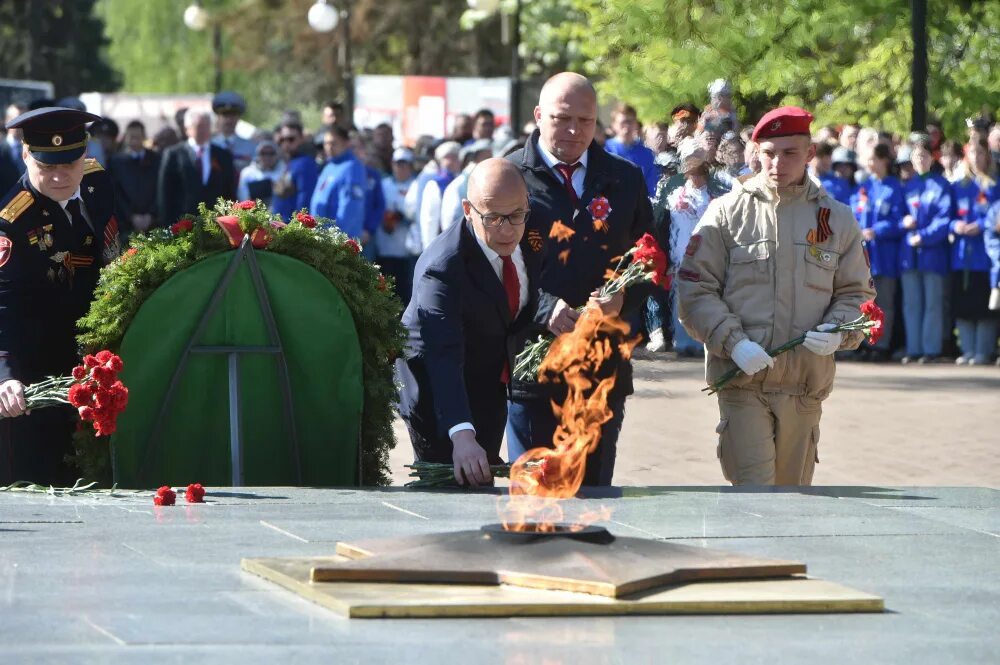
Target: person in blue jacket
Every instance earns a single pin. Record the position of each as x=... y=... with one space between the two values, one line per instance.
x=839 y=183
x=970 y=263
x=992 y=241
x=626 y=143
x=923 y=256
x=879 y=206
x=294 y=189
x=374 y=198
x=340 y=191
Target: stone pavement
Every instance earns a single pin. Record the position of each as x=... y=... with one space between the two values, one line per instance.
x=99 y=579
x=882 y=425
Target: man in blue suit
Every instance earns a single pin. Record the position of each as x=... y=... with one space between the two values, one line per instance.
x=473 y=290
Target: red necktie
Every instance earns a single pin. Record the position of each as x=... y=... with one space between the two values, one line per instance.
x=512 y=286
x=566 y=170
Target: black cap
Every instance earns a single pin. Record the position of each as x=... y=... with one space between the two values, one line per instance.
x=106 y=127
x=229 y=102
x=54 y=135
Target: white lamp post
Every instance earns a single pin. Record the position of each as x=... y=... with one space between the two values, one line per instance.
x=195 y=17
x=323 y=17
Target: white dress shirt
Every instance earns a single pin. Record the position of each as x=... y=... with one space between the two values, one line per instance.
x=83 y=208
x=578 y=175
x=206 y=165
x=496 y=262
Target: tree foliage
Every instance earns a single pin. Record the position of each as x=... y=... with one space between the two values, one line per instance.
x=847 y=60
x=60 y=41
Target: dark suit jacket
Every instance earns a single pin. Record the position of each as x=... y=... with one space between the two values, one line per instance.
x=135 y=186
x=460 y=335
x=180 y=190
x=573 y=276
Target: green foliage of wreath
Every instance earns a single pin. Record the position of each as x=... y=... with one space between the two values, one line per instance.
x=154 y=257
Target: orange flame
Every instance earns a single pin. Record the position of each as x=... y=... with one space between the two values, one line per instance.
x=560 y=231
x=541 y=478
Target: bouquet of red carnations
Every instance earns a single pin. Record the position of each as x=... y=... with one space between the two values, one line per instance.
x=644 y=262
x=93 y=388
x=870 y=323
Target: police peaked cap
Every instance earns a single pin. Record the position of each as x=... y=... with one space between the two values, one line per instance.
x=54 y=134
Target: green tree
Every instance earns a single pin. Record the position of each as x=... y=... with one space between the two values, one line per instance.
x=60 y=41
x=844 y=59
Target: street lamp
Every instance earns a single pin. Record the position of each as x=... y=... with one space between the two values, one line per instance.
x=196 y=18
x=485 y=6
x=325 y=17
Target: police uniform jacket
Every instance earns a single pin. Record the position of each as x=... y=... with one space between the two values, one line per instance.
x=573 y=267
x=48 y=271
x=770 y=267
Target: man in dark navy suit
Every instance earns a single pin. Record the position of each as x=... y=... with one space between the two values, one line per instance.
x=195 y=171
x=57 y=228
x=588 y=207
x=473 y=289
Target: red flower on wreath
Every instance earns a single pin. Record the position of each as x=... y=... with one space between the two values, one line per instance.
x=245 y=205
x=353 y=245
x=306 y=220
x=599 y=208
x=381 y=282
x=165 y=496
x=182 y=226
x=194 y=493
x=648 y=251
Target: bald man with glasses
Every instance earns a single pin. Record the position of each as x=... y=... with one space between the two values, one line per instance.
x=474 y=290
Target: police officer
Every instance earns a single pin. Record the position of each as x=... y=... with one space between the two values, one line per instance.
x=228 y=107
x=775 y=258
x=56 y=230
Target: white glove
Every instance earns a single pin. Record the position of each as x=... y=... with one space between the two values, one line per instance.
x=751 y=357
x=823 y=343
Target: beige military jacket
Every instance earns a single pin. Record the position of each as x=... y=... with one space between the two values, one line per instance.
x=768 y=266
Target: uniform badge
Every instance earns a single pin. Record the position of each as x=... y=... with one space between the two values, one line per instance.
x=90 y=190
x=535 y=241
x=6 y=249
x=775 y=126
x=564 y=256
x=57 y=140
x=601 y=225
x=818 y=253
x=88 y=241
x=45 y=213
x=111 y=246
x=41 y=237
x=689 y=275
x=693 y=244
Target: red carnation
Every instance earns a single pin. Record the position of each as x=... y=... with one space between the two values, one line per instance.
x=306 y=220
x=86 y=413
x=105 y=427
x=648 y=251
x=80 y=395
x=79 y=373
x=182 y=226
x=876 y=316
x=165 y=496
x=246 y=205
x=381 y=282
x=90 y=362
x=103 y=356
x=119 y=395
x=115 y=364
x=104 y=376
x=195 y=493
x=355 y=247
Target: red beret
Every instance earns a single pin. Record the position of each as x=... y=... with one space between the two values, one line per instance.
x=783 y=121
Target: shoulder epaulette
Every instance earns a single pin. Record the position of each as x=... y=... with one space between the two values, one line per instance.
x=16 y=206
x=90 y=165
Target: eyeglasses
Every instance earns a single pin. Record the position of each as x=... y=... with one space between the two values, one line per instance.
x=287 y=139
x=494 y=221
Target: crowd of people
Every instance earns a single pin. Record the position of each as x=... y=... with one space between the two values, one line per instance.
x=926 y=205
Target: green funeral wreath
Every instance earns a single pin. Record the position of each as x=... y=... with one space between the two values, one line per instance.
x=154 y=257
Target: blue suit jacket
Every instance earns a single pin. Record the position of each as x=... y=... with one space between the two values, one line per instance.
x=460 y=335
